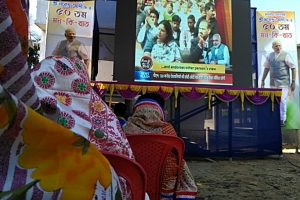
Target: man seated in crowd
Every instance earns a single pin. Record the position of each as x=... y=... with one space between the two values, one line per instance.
x=219 y=53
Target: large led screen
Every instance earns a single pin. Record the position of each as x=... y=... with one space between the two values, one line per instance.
x=184 y=42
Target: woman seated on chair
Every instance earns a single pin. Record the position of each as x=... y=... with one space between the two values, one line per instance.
x=53 y=159
x=43 y=160
x=148 y=117
x=67 y=98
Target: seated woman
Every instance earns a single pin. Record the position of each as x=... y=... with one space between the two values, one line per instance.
x=43 y=160
x=148 y=117
x=163 y=48
x=67 y=98
x=35 y=149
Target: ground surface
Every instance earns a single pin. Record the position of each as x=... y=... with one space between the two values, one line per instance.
x=248 y=179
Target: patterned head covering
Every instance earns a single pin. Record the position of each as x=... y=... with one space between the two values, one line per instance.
x=147 y=117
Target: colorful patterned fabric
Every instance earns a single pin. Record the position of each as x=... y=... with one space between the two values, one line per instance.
x=43 y=160
x=14 y=72
x=20 y=22
x=32 y=146
x=148 y=117
x=67 y=98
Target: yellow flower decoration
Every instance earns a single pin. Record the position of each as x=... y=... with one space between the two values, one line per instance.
x=60 y=164
x=135 y=88
x=166 y=89
x=97 y=106
x=61 y=99
x=122 y=87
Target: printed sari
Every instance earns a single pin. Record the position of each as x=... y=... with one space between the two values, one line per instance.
x=66 y=97
x=148 y=117
x=43 y=160
x=28 y=167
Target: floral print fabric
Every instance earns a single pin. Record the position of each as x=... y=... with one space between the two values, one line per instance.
x=43 y=160
x=66 y=97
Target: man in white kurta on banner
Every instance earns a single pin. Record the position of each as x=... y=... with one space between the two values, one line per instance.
x=279 y=63
x=71 y=47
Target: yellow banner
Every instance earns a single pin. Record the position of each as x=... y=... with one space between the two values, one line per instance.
x=77 y=18
x=278 y=27
x=188 y=67
x=78 y=15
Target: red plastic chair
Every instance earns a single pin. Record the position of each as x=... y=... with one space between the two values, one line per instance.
x=131 y=171
x=151 y=151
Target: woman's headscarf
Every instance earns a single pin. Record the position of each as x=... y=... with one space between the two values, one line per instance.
x=37 y=155
x=66 y=97
x=147 y=117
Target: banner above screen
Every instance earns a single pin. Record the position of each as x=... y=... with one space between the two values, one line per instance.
x=184 y=42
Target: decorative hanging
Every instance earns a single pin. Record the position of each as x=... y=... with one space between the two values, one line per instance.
x=256 y=96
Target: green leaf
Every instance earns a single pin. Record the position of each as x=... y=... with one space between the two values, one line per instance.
x=86 y=146
x=99 y=134
x=82 y=142
x=79 y=142
x=3 y=194
x=19 y=193
x=118 y=195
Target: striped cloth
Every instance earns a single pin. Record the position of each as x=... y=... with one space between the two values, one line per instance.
x=14 y=72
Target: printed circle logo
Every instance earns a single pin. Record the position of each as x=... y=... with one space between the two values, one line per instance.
x=146 y=62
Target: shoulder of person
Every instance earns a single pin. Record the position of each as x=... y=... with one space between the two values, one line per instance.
x=63 y=42
x=168 y=129
x=195 y=40
x=203 y=17
x=172 y=43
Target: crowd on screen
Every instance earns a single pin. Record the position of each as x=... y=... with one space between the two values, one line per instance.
x=180 y=31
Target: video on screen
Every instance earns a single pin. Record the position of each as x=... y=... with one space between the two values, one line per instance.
x=184 y=41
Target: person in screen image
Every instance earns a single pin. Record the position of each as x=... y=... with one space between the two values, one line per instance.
x=168 y=13
x=140 y=16
x=210 y=16
x=176 y=20
x=71 y=47
x=149 y=6
x=149 y=118
x=188 y=34
x=219 y=53
x=165 y=49
x=279 y=63
x=201 y=43
x=186 y=38
x=149 y=30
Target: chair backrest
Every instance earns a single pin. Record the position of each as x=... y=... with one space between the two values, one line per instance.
x=151 y=151
x=132 y=172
